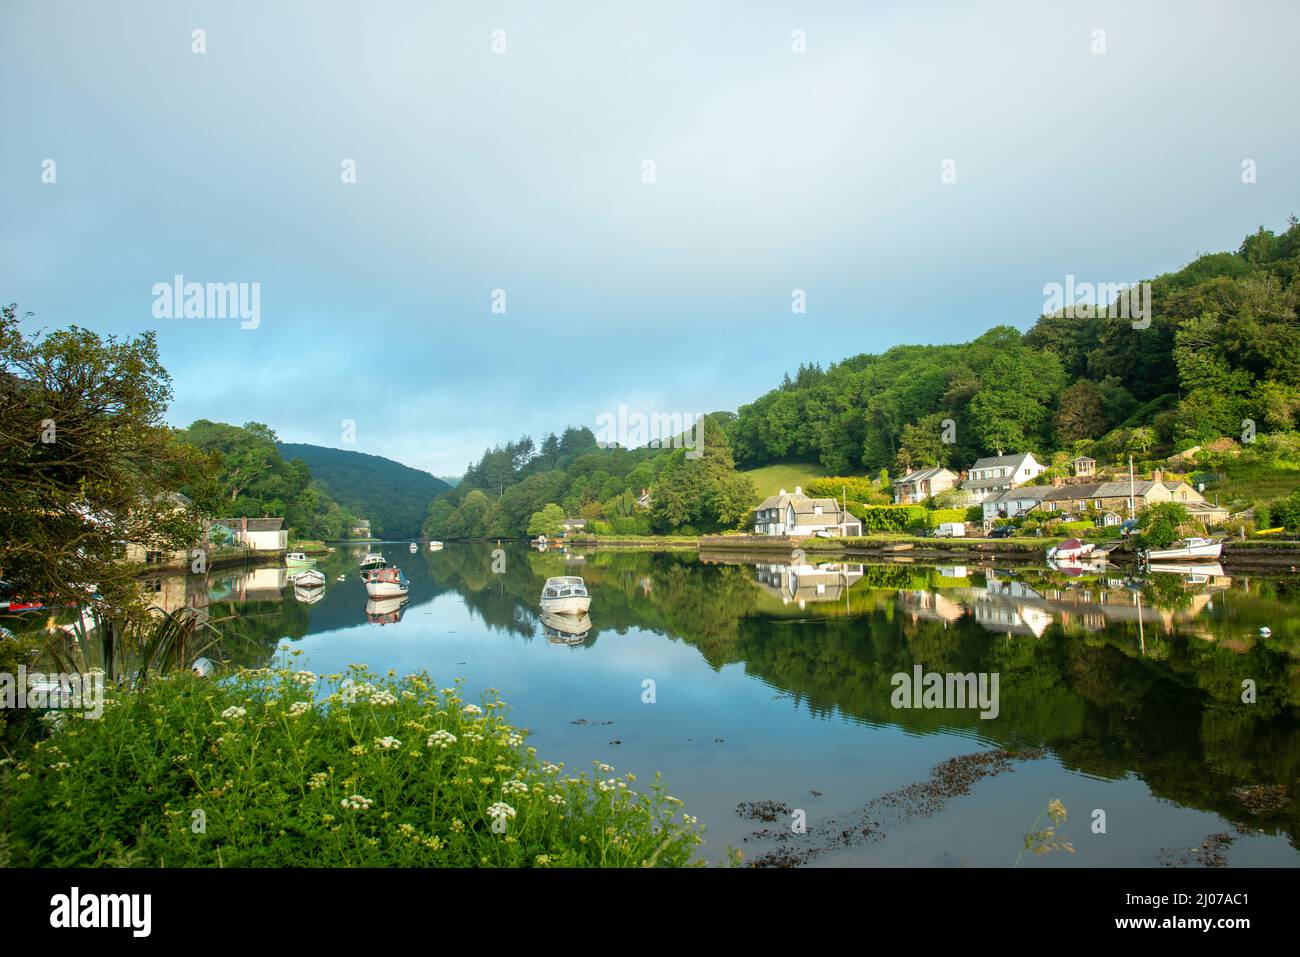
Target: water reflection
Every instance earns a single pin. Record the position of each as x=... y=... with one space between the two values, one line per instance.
x=1116 y=675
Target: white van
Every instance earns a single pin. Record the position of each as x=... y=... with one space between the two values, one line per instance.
x=950 y=530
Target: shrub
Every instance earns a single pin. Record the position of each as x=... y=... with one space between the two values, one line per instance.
x=942 y=515
x=373 y=773
x=891 y=518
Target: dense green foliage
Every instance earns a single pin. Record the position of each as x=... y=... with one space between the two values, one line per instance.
x=392 y=496
x=1223 y=345
x=87 y=464
x=254 y=480
x=258 y=771
x=1161 y=524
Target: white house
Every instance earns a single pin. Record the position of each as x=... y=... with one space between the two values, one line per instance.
x=1012 y=502
x=796 y=514
x=998 y=473
x=259 y=534
x=920 y=484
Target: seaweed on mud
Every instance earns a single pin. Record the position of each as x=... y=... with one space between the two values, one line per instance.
x=1209 y=853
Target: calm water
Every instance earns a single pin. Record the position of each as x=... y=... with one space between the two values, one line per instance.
x=773 y=683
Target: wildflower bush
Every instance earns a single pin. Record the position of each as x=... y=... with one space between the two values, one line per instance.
x=279 y=768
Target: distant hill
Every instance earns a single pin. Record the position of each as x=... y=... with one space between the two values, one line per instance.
x=393 y=496
x=451 y=480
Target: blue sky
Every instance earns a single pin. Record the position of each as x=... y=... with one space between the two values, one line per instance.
x=523 y=171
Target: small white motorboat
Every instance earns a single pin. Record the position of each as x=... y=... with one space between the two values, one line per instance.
x=435 y=546
x=566 y=595
x=1070 y=550
x=298 y=560
x=414 y=548
x=1187 y=550
x=308 y=579
x=387 y=582
x=373 y=560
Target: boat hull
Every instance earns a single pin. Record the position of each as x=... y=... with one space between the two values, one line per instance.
x=1196 y=553
x=299 y=562
x=386 y=589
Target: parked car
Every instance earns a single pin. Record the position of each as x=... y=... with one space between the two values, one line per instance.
x=950 y=530
x=1003 y=531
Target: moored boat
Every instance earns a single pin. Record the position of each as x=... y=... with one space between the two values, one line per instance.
x=308 y=579
x=566 y=595
x=435 y=546
x=1187 y=550
x=1070 y=550
x=298 y=560
x=414 y=548
x=387 y=582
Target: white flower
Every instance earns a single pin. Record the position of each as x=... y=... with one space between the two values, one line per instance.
x=555 y=799
x=500 y=810
x=472 y=709
x=383 y=698
x=318 y=780
x=234 y=713
x=388 y=743
x=549 y=768
x=304 y=678
x=441 y=739
x=299 y=708
x=356 y=803
x=514 y=787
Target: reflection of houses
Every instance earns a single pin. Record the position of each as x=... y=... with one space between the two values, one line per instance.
x=795 y=513
x=805 y=583
x=143 y=555
x=173 y=592
x=264 y=583
x=258 y=534
x=361 y=529
x=924 y=605
x=920 y=484
x=1009 y=617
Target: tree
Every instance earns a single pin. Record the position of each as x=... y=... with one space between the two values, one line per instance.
x=548 y=521
x=87 y=465
x=1160 y=524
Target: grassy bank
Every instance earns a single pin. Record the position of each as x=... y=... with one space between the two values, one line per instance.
x=260 y=770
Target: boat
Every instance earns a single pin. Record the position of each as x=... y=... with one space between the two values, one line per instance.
x=298 y=560
x=373 y=560
x=566 y=595
x=1188 y=570
x=308 y=579
x=1070 y=550
x=414 y=548
x=386 y=582
x=1187 y=550
x=386 y=611
x=901 y=547
x=435 y=546
x=566 y=629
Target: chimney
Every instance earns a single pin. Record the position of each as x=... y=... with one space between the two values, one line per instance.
x=798 y=490
x=1057 y=481
x=243 y=524
x=783 y=492
x=1157 y=476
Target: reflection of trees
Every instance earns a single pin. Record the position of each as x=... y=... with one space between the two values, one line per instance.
x=1103 y=706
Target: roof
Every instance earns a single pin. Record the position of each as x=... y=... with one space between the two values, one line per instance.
x=803 y=505
x=921 y=475
x=254 y=524
x=996 y=461
x=1083 y=458
x=1021 y=493
x=1064 y=493
x=976 y=484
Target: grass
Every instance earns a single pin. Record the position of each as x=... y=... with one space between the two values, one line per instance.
x=1254 y=483
x=277 y=768
x=770 y=479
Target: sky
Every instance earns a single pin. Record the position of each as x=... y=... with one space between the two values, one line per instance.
x=920 y=171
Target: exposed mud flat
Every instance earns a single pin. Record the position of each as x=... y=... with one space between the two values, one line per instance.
x=949 y=779
x=1211 y=852
x=1262 y=798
